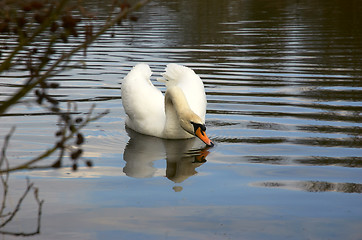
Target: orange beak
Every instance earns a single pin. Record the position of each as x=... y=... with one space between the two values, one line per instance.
x=202 y=135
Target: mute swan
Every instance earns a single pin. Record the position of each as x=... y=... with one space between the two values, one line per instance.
x=180 y=114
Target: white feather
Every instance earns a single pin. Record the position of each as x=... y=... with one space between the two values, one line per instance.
x=145 y=104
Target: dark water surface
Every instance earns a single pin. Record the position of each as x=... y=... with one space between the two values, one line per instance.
x=284 y=88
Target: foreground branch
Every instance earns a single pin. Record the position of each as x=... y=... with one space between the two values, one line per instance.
x=61 y=145
x=64 y=57
x=10 y=216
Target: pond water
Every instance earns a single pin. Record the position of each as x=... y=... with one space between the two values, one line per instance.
x=284 y=86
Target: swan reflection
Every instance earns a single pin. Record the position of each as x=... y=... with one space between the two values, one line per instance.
x=182 y=156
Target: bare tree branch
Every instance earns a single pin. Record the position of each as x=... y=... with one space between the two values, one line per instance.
x=59 y=145
x=10 y=216
x=41 y=71
x=23 y=91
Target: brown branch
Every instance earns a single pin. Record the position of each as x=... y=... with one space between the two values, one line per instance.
x=12 y=214
x=23 y=91
x=5 y=146
x=5 y=177
x=57 y=145
x=6 y=64
x=17 y=207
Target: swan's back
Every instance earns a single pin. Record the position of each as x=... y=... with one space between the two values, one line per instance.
x=191 y=85
x=143 y=102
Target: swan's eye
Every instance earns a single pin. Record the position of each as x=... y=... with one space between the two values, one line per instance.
x=198 y=125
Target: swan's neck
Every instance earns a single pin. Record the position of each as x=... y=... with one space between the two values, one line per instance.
x=177 y=110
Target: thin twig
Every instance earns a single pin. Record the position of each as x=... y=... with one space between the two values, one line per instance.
x=40 y=204
x=56 y=145
x=5 y=146
x=5 y=177
x=17 y=207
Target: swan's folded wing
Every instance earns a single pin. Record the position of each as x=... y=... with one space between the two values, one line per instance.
x=190 y=83
x=174 y=74
x=143 y=102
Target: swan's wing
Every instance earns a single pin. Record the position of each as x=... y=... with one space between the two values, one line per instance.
x=190 y=83
x=143 y=102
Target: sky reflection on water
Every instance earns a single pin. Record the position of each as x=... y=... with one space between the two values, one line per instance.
x=283 y=81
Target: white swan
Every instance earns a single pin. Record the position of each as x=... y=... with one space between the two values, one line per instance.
x=179 y=114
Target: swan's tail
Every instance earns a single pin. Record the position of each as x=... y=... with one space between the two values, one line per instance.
x=174 y=73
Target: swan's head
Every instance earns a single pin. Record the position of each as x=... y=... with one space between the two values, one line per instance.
x=196 y=127
x=175 y=100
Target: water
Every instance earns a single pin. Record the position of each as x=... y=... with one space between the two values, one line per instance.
x=283 y=81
